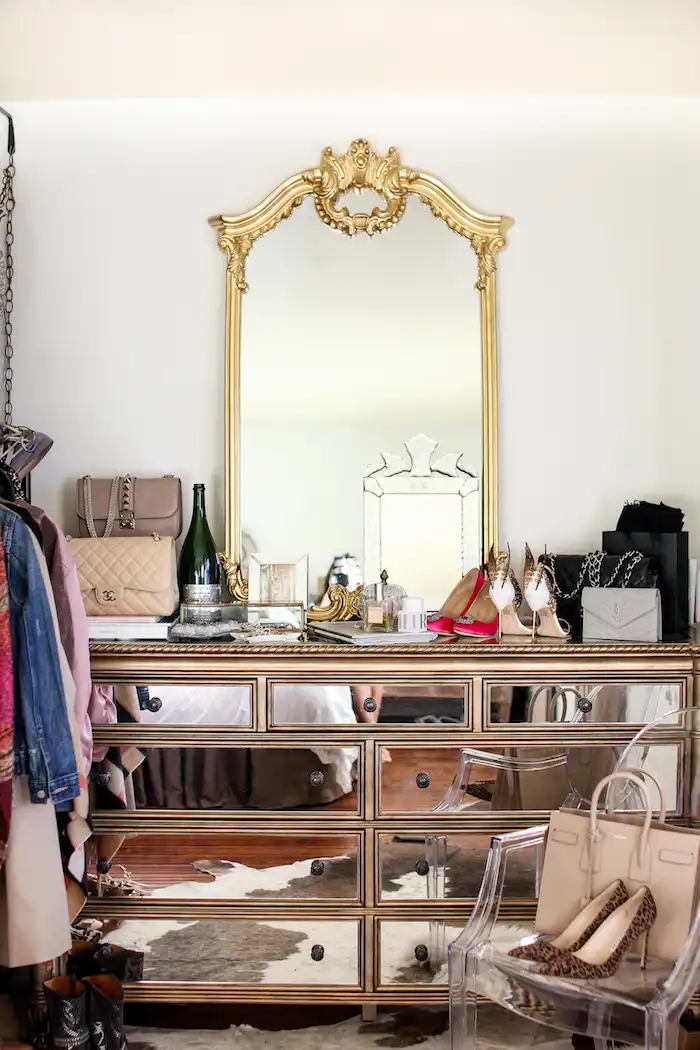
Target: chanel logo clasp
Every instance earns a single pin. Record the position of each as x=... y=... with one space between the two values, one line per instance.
x=109 y=596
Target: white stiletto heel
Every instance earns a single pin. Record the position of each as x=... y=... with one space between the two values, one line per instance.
x=538 y=594
x=505 y=595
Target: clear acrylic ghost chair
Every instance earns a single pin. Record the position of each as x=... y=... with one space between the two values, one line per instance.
x=466 y=792
x=636 y=1007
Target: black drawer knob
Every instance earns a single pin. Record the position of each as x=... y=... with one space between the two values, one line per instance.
x=585 y=705
x=317 y=779
x=154 y=704
x=317 y=867
x=422 y=867
x=421 y=952
x=317 y=952
x=370 y=704
x=423 y=780
x=103 y=866
x=103 y=779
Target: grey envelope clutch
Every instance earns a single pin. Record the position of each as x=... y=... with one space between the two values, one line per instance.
x=621 y=614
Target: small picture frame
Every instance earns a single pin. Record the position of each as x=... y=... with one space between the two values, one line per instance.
x=273 y=581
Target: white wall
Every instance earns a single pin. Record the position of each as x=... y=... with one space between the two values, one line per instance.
x=68 y=49
x=119 y=290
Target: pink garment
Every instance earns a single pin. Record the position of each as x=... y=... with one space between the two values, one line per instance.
x=102 y=711
x=72 y=620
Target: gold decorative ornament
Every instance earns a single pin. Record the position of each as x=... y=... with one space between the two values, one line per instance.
x=359 y=169
x=235 y=581
x=342 y=604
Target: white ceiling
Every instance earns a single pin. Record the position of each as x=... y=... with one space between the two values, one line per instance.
x=89 y=49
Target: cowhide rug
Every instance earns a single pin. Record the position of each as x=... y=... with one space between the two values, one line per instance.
x=275 y=951
x=498 y=1030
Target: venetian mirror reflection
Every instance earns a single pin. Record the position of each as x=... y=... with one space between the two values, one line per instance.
x=350 y=347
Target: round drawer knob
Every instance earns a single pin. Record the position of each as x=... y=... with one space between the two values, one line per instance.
x=317 y=779
x=423 y=780
x=317 y=952
x=585 y=705
x=154 y=704
x=103 y=779
x=422 y=867
x=370 y=704
x=421 y=952
x=103 y=866
x=317 y=867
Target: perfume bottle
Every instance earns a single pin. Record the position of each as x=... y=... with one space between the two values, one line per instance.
x=379 y=604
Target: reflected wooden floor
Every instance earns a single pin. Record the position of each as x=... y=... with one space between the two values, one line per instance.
x=155 y=861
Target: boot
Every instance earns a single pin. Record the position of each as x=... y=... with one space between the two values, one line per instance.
x=105 y=1012
x=67 y=1013
x=86 y=959
x=126 y=965
x=81 y=962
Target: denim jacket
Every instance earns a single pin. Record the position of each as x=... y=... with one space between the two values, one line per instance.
x=43 y=744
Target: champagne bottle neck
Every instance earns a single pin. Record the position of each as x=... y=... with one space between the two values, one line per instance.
x=199 y=507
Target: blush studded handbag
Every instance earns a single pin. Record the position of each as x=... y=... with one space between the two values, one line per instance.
x=129 y=506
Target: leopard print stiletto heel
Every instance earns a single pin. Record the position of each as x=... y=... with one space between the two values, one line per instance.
x=579 y=930
x=602 y=954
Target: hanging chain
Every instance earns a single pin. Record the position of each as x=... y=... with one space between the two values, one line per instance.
x=7 y=204
x=590 y=570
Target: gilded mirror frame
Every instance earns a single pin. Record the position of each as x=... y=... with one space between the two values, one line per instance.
x=358 y=169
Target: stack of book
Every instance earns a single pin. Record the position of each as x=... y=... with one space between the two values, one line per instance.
x=129 y=628
x=353 y=632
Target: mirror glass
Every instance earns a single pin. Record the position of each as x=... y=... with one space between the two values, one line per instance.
x=351 y=347
x=256 y=778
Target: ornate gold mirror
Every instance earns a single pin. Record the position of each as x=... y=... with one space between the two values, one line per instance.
x=348 y=349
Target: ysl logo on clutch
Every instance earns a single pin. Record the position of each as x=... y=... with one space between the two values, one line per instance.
x=109 y=596
x=616 y=611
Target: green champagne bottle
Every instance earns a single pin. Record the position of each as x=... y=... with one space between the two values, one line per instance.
x=200 y=570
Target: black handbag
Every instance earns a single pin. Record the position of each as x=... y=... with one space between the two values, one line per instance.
x=570 y=573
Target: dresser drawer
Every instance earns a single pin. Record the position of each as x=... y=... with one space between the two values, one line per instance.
x=242 y=778
x=236 y=952
x=193 y=704
x=416 y=867
x=259 y=867
x=565 y=702
x=414 y=951
x=431 y=705
x=440 y=779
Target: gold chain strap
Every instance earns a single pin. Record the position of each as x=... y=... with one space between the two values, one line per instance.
x=111 y=512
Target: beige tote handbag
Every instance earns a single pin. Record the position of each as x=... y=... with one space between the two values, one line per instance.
x=586 y=851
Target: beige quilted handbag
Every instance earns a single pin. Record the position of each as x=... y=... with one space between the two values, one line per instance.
x=127 y=577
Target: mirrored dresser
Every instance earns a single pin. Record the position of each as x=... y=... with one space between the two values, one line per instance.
x=313 y=820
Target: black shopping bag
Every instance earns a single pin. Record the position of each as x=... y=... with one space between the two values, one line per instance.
x=669 y=551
